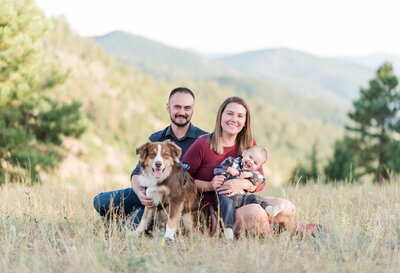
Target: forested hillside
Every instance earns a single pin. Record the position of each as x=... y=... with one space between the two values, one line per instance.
x=124 y=106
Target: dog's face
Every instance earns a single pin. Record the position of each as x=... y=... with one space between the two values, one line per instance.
x=157 y=158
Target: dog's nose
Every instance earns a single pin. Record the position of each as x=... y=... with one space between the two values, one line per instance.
x=158 y=164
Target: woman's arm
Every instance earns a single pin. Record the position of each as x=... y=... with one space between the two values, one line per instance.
x=214 y=184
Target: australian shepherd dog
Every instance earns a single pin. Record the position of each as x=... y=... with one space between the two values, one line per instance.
x=167 y=183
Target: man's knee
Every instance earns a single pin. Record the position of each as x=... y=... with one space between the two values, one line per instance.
x=102 y=202
x=96 y=203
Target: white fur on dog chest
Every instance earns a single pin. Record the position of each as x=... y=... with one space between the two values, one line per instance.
x=157 y=193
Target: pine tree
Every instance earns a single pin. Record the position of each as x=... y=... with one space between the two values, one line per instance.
x=342 y=165
x=33 y=119
x=376 y=126
x=314 y=162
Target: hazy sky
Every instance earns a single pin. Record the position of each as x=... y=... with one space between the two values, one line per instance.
x=337 y=27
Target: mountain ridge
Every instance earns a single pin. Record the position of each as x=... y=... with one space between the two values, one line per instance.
x=157 y=58
x=128 y=49
x=303 y=72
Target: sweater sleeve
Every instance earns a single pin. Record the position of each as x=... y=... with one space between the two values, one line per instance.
x=193 y=157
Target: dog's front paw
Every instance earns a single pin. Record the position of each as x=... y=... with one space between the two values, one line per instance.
x=170 y=233
x=134 y=234
x=168 y=237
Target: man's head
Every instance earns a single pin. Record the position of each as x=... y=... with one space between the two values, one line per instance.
x=180 y=106
x=254 y=158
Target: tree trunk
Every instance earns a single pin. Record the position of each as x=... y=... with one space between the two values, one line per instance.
x=381 y=155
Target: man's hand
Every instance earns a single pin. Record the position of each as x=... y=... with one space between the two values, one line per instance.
x=232 y=171
x=140 y=192
x=146 y=201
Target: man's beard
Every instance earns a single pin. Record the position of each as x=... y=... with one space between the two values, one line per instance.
x=180 y=124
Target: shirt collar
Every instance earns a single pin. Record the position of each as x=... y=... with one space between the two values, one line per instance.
x=190 y=132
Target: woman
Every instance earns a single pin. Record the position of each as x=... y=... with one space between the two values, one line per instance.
x=232 y=135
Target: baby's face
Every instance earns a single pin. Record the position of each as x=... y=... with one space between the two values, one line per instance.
x=252 y=159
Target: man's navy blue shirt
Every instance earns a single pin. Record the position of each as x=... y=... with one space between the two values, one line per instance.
x=191 y=135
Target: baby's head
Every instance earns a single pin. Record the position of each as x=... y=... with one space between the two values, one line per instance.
x=253 y=158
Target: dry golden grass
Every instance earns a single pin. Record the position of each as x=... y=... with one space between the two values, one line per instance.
x=48 y=228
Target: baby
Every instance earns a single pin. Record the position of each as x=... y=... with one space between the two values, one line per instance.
x=244 y=167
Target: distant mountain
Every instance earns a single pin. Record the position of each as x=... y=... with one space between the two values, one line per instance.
x=333 y=79
x=376 y=60
x=312 y=108
x=162 y=61
x=159 y=59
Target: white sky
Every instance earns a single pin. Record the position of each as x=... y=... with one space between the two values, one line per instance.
x=329 y=28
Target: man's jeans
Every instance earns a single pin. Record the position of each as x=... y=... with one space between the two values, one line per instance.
x=119 y=203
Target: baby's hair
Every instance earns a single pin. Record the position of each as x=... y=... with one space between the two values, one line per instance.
x=262 y=150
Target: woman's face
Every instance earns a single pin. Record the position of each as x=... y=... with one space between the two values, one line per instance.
x=233 y=118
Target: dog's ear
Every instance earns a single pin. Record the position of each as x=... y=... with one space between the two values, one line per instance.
x=143 y=150
x=175 y=150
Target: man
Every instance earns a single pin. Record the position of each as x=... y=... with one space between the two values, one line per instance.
x=123 y=202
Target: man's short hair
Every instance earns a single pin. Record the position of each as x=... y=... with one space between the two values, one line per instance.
x=181 y=90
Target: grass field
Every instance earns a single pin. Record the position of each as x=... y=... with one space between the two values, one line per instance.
x=49 y=228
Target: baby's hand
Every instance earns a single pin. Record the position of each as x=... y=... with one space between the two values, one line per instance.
x=244 y=175
x=232 y=171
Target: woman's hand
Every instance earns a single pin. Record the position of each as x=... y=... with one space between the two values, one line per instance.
x=232 y=187
x=217 y=181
